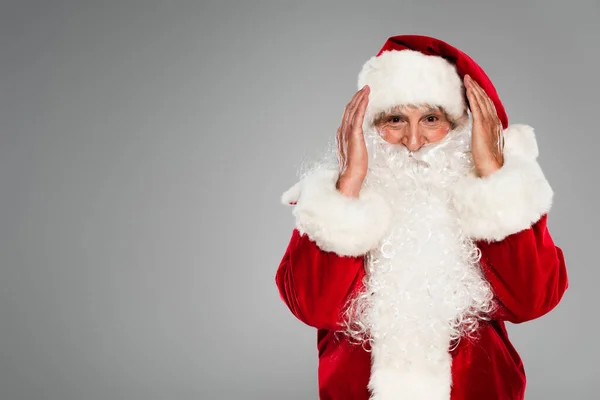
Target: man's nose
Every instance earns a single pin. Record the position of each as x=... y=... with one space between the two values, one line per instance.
x=413 y=140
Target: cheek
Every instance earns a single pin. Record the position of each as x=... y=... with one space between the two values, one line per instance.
x=390 y=135
x=435 y=135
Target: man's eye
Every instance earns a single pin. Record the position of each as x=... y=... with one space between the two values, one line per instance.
x=431 y=118
x=395 y=120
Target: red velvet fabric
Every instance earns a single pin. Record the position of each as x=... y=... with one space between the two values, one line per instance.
x=528 y=276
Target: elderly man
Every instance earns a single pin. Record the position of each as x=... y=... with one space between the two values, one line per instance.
x=421 y=235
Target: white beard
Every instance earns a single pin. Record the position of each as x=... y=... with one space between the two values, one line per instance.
x=424 y=288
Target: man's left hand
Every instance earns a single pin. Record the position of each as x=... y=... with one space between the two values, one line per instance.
x=487 y=139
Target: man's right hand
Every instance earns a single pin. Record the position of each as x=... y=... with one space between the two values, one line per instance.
x=352 y=150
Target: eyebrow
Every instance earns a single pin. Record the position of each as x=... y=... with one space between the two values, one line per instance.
x=432 y=109
x=399 y=113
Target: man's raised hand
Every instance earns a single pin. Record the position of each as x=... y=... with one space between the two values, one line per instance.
x=351 y=147
x=487 y=130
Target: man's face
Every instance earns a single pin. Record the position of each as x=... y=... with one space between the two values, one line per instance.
x=413 y=127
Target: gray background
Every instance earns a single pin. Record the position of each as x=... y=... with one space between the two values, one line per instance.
x=143 y=150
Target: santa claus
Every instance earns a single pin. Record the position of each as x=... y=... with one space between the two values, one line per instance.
x=421 y=234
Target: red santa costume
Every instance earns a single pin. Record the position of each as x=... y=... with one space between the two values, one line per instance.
x=411 y=283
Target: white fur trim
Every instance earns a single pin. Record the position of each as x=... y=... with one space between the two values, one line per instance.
x=338 y=223
x=388 y=384
x=410 y=77
x=511 y=199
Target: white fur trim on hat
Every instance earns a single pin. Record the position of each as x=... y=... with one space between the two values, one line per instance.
x=400 y=77
x=509 y=200
x=345 y=225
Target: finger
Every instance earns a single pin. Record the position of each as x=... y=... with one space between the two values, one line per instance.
x=492 y=116
x=359 y=100
x=341 y=156
x=487 y=114
x=352 y=105
x=345 y=119
x=342 y=132
x=485 y=101
x=495 y=114
x=473 y=101
x=361 y=108
x=492 y=105
x=349 y=115
x=476 y=94
x=338 y=142
x=342 y=147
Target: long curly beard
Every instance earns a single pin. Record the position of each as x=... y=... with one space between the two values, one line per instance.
x=423 y=289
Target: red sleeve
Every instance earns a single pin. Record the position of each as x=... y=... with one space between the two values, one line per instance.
x=316 y=284
x=526 y=271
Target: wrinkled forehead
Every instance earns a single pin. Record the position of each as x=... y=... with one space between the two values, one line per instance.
x=404 y=109
x=423 y=107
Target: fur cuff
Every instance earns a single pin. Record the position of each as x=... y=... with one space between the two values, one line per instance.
x=512 y=198
x=344 y=225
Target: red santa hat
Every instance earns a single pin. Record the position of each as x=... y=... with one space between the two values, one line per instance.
x=413 y=69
